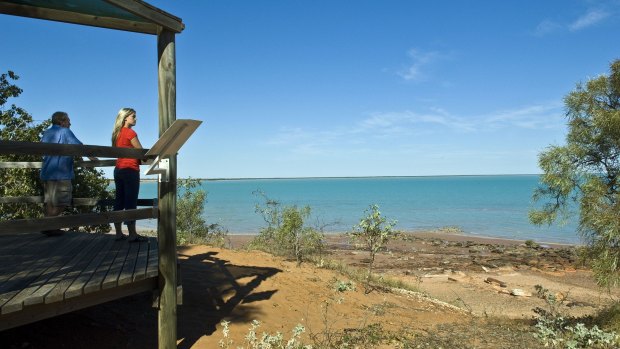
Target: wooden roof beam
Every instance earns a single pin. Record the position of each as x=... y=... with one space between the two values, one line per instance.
x=151 y=13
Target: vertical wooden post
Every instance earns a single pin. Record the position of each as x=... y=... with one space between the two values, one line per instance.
x=166 y=226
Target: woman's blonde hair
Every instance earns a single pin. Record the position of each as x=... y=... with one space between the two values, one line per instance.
x=120 y=121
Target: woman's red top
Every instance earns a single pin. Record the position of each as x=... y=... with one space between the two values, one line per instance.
x=124 y=141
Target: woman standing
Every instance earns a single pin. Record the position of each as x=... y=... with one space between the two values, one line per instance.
x=126 y=172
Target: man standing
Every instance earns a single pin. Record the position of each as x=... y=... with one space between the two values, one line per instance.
x=57 y=171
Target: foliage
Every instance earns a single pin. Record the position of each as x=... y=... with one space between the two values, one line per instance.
x=608 y=318
x=555 y=330
x=191 y=225
x=343 y=286
x=266 y=340
x=374 y=231
x=286 y=232
x=91 y=183
x=532 y=244
x=585 y=171
x=451 y=230
x=17 y=125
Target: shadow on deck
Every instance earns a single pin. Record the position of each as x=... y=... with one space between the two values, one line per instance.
x=42 y=277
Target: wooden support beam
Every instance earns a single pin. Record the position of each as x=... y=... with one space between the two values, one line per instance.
x=78 y=220
x=151 y=13
x=38 y=164
x=77 y=18
x=166 y=227
x=76 y=201
x=39 y=148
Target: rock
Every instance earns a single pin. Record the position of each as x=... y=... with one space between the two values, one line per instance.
x=494 y=281
x=501 y=290
x=452 y=279
x=579 y=304
x=532 y=262
x=520 y=293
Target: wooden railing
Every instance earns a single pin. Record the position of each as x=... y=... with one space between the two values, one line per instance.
x=45 y=223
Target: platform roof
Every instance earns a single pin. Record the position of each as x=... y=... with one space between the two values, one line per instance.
x=127 y=15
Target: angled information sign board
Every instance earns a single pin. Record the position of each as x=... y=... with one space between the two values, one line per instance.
x=169 y=144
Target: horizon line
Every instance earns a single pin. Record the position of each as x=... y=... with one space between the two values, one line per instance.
x=342 y=177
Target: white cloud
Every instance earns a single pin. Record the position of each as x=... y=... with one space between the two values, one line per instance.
x=420 y=62
x=542 y=116
x=547 y=27
x=409 y=121
x=589 y=19
x=402 y=127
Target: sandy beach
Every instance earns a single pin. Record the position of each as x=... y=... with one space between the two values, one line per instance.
x=460 y=281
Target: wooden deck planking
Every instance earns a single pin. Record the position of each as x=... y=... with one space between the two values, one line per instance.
x=77 y=288
x=46 y=276
x=44 y=283
x=34 y=293
x=33 y=275
x=57 y=293
x=142 y=261
x=14 y=242
x=94 y=284
x=111 y=278
x=21 y=252
x=126 y=273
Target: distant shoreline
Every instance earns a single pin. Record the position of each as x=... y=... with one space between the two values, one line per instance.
x=244 y=238
x=340 y=177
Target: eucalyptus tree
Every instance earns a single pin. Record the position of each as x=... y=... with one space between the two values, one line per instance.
x=584 y=172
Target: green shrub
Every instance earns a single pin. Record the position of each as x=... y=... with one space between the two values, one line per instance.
x=557 y=331
x=266 y=340
x=373 y=231
x=286 y=233
x=191 y=225
x=343 y=286
x=532 y=244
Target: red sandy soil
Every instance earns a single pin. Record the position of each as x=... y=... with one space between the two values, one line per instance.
x=449 y=271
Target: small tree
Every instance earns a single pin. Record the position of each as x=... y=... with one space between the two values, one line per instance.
x=191 y=225
x=286 y=232
x=586 y=171
x=373 y=231
x=17 y=125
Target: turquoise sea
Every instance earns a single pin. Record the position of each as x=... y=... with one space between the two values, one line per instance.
x=493 y=206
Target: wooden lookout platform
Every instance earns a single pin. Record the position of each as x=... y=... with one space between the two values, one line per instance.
x=42 y=277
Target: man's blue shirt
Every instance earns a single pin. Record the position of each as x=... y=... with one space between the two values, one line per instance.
x=57 y=168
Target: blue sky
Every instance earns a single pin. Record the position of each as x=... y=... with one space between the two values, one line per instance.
x=291 y=88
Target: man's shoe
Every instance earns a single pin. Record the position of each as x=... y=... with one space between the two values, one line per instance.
x=53 y=232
